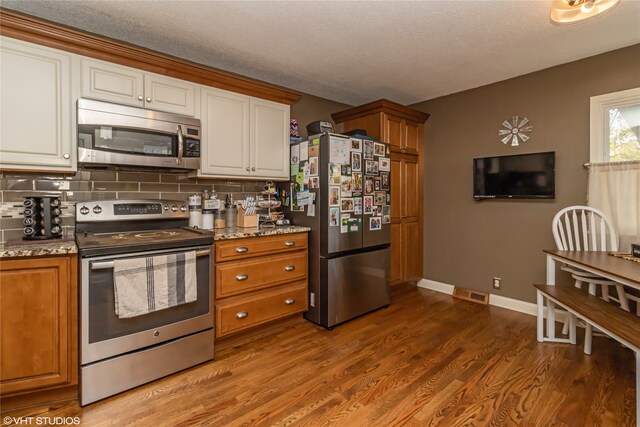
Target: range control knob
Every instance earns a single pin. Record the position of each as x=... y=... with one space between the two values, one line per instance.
x=84 y=210
x=183 y=208
x=165 y=207
x=97 y=209
x=174 y=208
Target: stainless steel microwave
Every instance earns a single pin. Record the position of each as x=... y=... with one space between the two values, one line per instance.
x=112 y=134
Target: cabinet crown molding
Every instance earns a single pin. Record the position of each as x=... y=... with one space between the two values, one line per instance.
x=38 y=31
x=380 y=106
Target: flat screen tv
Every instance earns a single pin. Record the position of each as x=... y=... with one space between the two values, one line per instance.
x=523 y=176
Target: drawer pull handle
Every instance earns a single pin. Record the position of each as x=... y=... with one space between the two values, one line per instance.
x=290 y=268
x=289 y=301
x=241 y=277
x=290 y=243
x=242 y=314
x=242 y=249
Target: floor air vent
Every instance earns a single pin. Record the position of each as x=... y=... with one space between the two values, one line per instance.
x=469 y=295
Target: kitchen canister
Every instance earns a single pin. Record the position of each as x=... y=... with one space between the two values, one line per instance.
x=195 y=211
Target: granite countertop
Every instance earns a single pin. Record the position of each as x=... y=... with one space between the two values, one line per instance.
x=239 y=233
x=31 y=248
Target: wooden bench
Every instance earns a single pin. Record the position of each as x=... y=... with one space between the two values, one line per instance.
x=620 y=325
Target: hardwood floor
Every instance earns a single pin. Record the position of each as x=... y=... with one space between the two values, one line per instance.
x=427 y=360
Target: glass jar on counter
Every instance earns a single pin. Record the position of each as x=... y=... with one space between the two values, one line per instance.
x=219 y=219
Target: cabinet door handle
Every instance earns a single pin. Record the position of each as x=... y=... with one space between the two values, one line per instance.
x=290 y=243
x=242 y=249
x=241 y=277
x=290 y=268
x=66 y=156
x=140 y=97
x=242 y=314
x=248 y=168
x=289 y=301
x=253 y=168
x=148 y=99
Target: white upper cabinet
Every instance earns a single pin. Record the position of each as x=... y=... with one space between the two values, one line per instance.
x=243 y=136
x=123 y=85
x=269 y=132
x=224 y=148
x=37 y=107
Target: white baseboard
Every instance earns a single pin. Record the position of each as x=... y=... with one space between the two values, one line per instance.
x=495 y=300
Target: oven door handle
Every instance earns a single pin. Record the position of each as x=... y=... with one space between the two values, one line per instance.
x=106 y=265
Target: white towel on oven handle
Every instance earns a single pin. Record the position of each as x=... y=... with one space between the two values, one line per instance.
x=147 y=284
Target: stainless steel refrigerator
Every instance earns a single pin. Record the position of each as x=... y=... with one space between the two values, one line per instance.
x=340 y=187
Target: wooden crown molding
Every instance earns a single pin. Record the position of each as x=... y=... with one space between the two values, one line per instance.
x=380 y=106
x=57 y=36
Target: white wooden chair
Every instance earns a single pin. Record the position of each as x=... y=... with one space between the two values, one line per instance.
x=582 y=228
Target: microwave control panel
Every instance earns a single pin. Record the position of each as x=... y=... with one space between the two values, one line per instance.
x=191 y=148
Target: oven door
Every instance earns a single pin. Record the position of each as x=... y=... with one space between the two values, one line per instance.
x=105 y=335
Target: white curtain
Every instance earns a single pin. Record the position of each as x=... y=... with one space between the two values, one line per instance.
x=614 y=189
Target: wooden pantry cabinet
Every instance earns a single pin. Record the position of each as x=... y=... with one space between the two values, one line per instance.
x=259 y=279
x=403 y=128
x=39 y=330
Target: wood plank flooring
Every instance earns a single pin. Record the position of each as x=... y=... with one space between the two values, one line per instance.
x=427 y=360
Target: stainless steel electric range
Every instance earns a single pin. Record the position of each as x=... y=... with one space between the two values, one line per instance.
x=120 y=353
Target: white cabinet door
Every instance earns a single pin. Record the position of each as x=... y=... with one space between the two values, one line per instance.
x=36 y=107
x=269 y=139
x=168 y=94
x=113 y=83
x=123 y=85
x=225 y=134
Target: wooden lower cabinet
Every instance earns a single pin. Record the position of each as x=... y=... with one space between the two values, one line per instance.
x=260 y=279
x=38 y=326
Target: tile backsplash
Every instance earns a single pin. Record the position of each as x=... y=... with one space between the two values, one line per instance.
x=91 y=184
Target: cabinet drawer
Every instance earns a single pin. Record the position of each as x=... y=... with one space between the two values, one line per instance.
x=236 y=277
x=254 y=246
x=240 y=313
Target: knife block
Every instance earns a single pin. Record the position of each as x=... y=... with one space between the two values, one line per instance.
x=246 y=221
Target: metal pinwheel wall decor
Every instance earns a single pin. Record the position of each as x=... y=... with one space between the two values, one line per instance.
x=515 y=131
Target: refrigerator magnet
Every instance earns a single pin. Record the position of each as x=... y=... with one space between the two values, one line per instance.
x=380 y=198
x=313 y=166
x=334 y=174
x=346 y=204
x=378 y=149
x=357 y=206
x=371 y=167
x=334 y=196
x=295 y=153
x=356 y=144
x=368 y=149
x=375 y=223
x=384 y=164
x=367 y=205
x=357 y=182
x=344 y=223
x=356 y=162
x=384 y=180
x=334 y=214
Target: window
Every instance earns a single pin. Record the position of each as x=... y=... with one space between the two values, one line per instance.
x=615 y=126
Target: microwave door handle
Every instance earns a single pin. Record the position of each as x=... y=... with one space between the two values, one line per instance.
x=180 y=145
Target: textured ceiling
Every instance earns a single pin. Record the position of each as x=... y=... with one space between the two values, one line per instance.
x=354 y=52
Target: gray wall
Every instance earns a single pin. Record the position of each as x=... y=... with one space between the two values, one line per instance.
x=467 y=242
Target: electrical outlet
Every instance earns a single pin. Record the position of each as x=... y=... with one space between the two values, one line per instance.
x=497 y=282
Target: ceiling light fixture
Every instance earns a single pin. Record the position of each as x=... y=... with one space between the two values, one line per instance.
x=574 y=11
